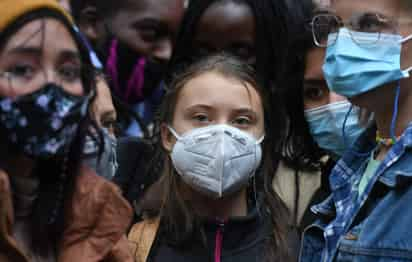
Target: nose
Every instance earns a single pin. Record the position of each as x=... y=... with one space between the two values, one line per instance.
x=50 y=76
x=333 y=98
x=163 y=51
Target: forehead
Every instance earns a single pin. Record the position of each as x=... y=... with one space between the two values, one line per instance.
x=219 y=91
x=348 y=8
x=154 y=8
x=234 y=20
x=41 y=32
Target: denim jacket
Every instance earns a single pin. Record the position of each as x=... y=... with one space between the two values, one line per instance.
x=373 y=226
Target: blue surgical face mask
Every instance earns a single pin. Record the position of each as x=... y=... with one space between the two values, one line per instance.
x=105 y=164
x=353 y=68
x=326 y=123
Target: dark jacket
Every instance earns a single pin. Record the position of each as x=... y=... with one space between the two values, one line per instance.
x=238 y=239
x=134 y=156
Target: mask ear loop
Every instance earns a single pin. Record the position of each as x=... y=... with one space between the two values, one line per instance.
x=173 y=132
x=393 y=121
x=395 y=112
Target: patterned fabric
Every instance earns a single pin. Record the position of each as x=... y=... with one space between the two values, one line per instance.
x=42 y=123
x=344 y=181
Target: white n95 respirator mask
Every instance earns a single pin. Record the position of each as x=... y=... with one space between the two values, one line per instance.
x=216 y=160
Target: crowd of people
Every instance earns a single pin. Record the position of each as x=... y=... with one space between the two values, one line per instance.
x=205 y=130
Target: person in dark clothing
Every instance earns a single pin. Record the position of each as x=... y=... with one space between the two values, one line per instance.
x=134 y=41
x=217 y=202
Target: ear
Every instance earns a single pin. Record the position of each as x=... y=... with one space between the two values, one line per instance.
x=168 y=139
x=90 y=22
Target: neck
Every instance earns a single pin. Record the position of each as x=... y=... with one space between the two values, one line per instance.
x=231 y=206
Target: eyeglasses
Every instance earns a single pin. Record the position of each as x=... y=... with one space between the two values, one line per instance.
x=325 y=28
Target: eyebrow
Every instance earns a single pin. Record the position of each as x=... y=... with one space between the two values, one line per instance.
x=244 y=110
x=70 y=54
x=25 y=50
x=66 y=53
x=150 y=22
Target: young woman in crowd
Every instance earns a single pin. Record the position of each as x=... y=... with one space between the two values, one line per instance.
x=134 y=40
x=316 y=115
x=52 y=208
x=368 y=60
x=258 y=32
x=249 y=33
x=217 y=203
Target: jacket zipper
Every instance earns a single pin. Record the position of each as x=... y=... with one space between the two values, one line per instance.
x=219 y=242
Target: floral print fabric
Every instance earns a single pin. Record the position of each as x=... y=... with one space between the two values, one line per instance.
x=44 y=123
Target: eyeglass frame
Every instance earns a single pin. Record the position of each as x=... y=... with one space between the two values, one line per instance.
x=341 y=24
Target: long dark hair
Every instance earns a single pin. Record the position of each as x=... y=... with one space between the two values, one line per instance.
x=299 y=149
x=57 y=176
x=177 y=217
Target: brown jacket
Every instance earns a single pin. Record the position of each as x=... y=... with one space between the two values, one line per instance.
x=96 y=223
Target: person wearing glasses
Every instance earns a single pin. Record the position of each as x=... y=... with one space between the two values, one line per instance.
x=368 y=60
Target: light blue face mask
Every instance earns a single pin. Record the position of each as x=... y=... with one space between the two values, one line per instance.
x=326 y=123
x=353 y=68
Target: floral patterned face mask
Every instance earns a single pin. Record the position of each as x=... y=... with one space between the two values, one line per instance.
x=43 y=123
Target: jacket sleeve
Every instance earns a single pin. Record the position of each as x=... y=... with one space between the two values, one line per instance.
x=98 y=218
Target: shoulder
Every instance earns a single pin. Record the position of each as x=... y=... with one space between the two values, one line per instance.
x=97 y=216
x=94 y=193
x=142 y=237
